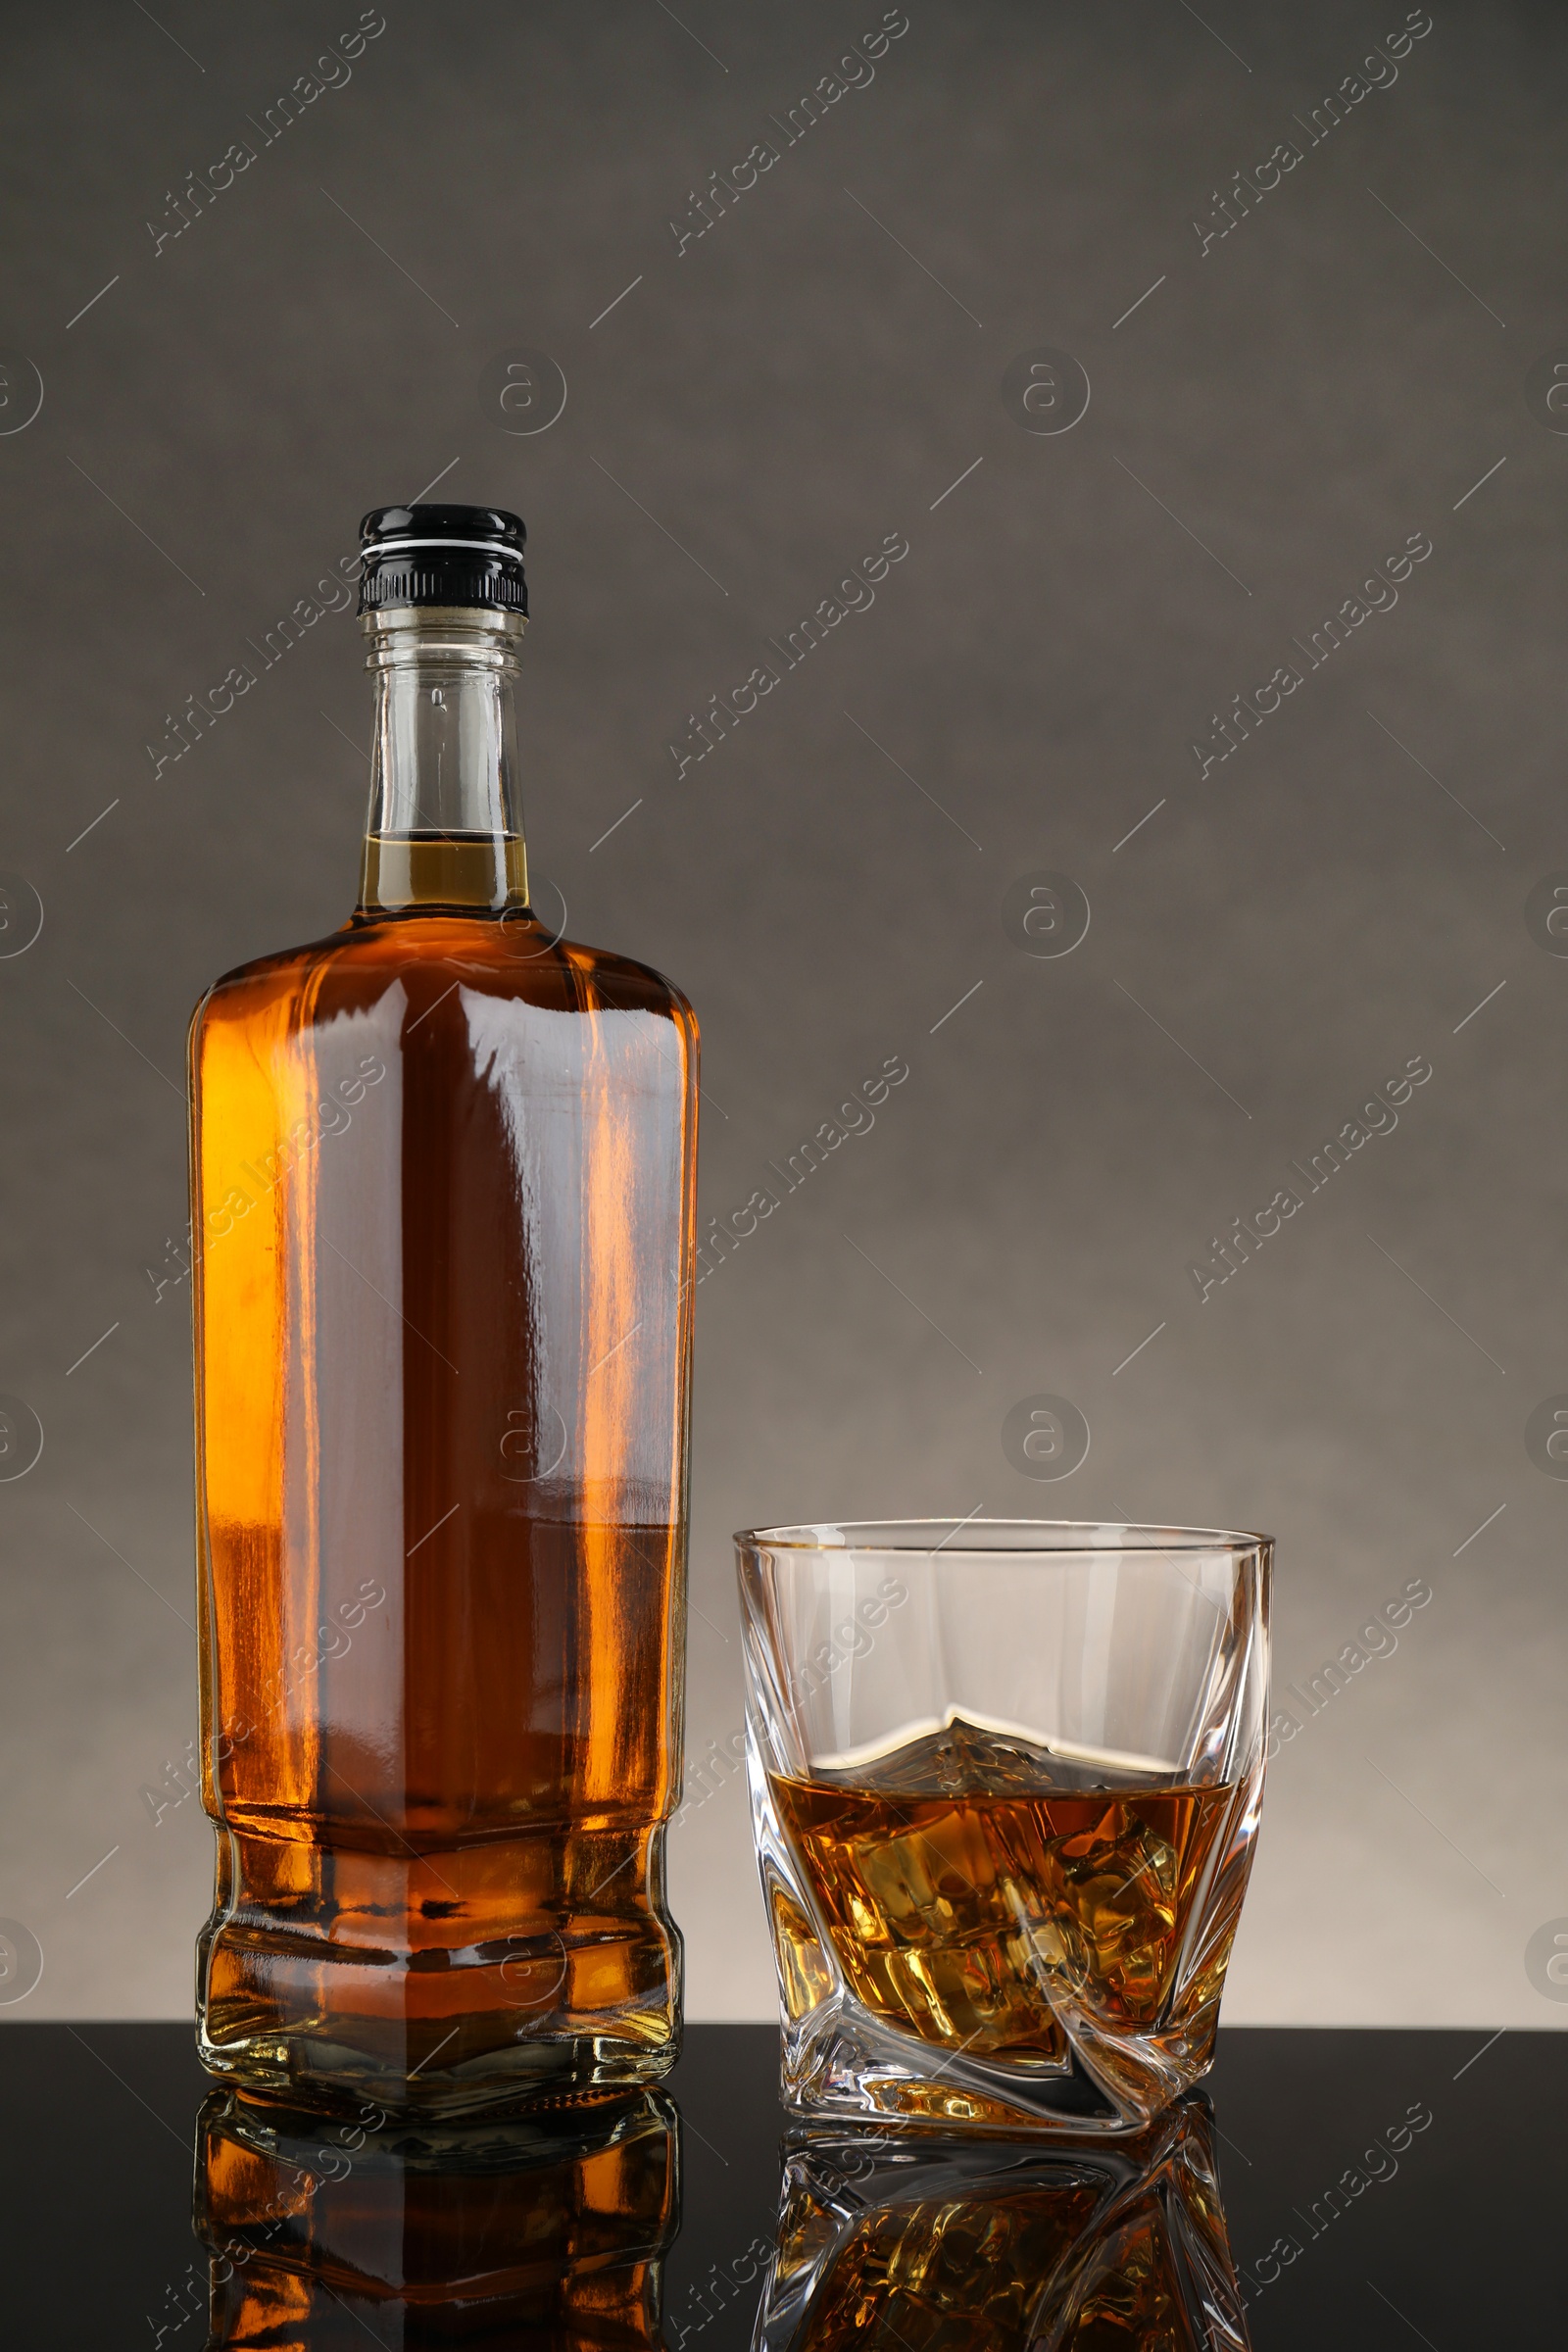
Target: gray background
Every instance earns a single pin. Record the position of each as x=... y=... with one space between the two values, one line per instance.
x=1278 y=416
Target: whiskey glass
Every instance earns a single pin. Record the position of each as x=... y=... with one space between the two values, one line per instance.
x=1005 y=1781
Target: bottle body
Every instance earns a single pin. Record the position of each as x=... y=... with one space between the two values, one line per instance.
x=443 y=1178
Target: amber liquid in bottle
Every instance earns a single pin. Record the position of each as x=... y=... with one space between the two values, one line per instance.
x=443 y=1183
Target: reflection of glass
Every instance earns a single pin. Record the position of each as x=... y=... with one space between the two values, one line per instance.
x=1005 y=1781
x=550 y=2230
x=887 y=2244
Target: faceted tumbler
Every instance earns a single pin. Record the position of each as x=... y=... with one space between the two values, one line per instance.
x=1005 y=1779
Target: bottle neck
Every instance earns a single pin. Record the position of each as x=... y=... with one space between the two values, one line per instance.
x=445 y=827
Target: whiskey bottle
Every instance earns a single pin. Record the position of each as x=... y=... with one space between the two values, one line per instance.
x=442 y=1172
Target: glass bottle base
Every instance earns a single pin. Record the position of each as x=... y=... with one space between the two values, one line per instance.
x=321 y=2075
x=332 y=1981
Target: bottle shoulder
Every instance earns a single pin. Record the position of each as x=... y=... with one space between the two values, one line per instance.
x=512 y=957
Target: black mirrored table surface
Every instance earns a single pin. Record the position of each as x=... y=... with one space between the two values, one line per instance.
x=1379 y=2190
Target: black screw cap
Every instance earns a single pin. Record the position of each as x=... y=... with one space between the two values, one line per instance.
x=442 y=555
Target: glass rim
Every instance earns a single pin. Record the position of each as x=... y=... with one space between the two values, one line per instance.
x=1038 y=1536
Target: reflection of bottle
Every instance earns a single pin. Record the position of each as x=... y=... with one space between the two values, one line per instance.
x=443 y=1190
x=550 y=2231
x=888 y=2242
